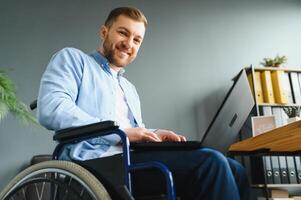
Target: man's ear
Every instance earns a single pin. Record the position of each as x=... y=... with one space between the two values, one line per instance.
x=103 y=32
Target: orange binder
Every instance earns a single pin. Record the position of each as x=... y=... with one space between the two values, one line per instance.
x=279 y=92
x=267 y=87
x=258 y=88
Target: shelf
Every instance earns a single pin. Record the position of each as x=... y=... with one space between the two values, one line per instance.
x=293 y=189
x=278 y=104
x=275 y=185
x=277 y=69
x=286 y=82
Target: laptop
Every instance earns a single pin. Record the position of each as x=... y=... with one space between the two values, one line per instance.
x=168 y=145
x=224 y=127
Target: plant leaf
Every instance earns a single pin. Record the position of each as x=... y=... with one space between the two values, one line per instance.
x=3 y=110
x=10 y=102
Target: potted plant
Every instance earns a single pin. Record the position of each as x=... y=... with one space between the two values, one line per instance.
x=9 y=103
x=293 y=113
x=274 y=62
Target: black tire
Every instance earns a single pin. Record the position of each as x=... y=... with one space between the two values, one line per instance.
x=55 y=180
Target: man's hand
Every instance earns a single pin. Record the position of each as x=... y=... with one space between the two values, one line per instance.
x=166 y=135
x=141 y=134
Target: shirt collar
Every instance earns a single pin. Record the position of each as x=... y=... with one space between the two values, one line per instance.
x=103 y=62
x=114 y=73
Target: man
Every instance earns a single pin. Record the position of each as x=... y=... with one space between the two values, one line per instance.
x=78 y=89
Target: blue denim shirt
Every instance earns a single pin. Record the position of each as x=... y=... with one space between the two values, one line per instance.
x=78 y=89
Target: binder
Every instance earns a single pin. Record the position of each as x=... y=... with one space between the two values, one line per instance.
x=258 y=88
x=284 y=117
x=278 y=116
x=278 y=88
x=287 y=87
x=266 y=111
x=295 y=87
x=298 y=168
x=283 y=170
x=267 y=87
x=261 y=170
x=276 y=170
x=299 y=79
x=268 y=169
x=291 y=170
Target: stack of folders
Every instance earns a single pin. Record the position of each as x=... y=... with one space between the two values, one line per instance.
x=291 y=84
x=276 y=170
x=276 y=86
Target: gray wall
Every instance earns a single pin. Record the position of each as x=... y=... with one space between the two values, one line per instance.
x=191 y=51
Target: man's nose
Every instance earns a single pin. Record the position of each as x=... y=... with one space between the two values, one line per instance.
x=128 y=43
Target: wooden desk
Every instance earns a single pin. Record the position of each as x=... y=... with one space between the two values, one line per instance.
x=286 y=139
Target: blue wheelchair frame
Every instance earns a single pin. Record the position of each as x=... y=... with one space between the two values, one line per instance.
x=77 y=134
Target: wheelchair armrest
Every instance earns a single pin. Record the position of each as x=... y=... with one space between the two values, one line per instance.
x=76 y=134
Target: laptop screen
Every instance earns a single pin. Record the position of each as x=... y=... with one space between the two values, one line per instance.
x=231 y=115
x=225 y=126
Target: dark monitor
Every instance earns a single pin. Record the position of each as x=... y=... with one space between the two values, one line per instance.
x=231 y=115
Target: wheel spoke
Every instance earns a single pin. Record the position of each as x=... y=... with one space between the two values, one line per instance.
x=55 y=191
x=37 y=190
x=42 y=188
x=70 y=181
x=23 y=192
x=81 y=192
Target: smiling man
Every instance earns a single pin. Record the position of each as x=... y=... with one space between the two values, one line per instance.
x=121 y=41
x=78 y=89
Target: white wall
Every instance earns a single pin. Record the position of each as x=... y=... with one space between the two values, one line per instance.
x=191 y=51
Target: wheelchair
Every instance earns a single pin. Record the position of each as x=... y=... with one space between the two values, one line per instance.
x=100 y=179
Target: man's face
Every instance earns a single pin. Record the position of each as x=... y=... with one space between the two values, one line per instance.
x=121 y=41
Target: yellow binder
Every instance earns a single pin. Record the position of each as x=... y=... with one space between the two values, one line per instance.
x=258 y=88
x=267 y=87
x=250 y=79
x=279 y=92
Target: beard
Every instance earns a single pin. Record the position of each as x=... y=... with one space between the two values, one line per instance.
x=109 y=53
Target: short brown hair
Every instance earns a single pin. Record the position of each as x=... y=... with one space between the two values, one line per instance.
x=131 y=12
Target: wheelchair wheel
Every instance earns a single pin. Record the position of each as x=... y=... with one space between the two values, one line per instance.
x=55 y=180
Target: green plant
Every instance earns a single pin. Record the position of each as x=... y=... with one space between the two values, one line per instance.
x=292 y=111
x=10 y=103
x=274 y=62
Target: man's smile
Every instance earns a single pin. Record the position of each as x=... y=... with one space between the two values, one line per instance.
x=122 y=52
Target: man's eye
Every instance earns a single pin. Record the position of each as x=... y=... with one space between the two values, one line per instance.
x=137 y=41
x=122 y=33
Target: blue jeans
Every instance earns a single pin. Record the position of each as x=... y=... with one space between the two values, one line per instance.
x=203 y=174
